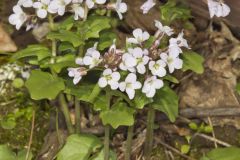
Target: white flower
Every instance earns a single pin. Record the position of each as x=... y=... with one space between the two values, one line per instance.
x=219 y=8
x=128 y=62
x=139 y=36
x=176 y=43
x=92 y=58
x=150 y=86
x=77 y=9
x=25 y=3
x=164 y=29
x=130 y=85
x=58 y=6
x=141 y=58
x=147 y=6
x=120 y=8
x=42 y=8
x=18 y=18
x=76 y=73
x=90 y=3
x=158 y=68
x=173 y=61
x=111 y=78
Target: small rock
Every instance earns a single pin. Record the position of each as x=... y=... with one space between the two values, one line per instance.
x=6 y=43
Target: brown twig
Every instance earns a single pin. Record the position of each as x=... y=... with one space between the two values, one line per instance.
x=213 y=139
x=210 y=112
x=213 y=133
x=31 y=136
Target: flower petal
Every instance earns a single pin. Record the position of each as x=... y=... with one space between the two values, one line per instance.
x=87 y=60
x=122 y=86
x=76 y=79
x=131 y=78
x=102 y=82
x=116 y=76
x=107 y=72
x=130 y=92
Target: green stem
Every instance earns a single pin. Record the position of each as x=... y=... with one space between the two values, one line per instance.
x=106 y=142
x=78 y=115
x=128 y=148
x=107 y=130
x=62 y=100
x=54 y=44
x=149 y=135
x=57 y=128
x=66 y=113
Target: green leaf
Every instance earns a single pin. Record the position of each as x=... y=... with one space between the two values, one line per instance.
x=170 y=78
x=166 y=101
x=118 y=115
x=193 y=61
x=66 y=36
x=79 y=147
x=141 y=100
x=22 y=155
x=8 y=122
x=43 y=85
x=193 y=126
x=84 y=92
x=238 y=88
x=101 y=102
x=67 y=24
x=205 y=158
x=106 y=39
x=67 y=60
x=6 y=153
x=94 y=25
x=100 y=156
x=171 y=11
x=231 y=153
x=18 y=83
x=95 y=92
x=185 y=149
x=208 y=129
x=122 y=95
x=66 y=47
x=36 y=50
x=149 y=42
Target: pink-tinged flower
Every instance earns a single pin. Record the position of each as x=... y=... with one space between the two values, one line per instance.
x=218 y=8
x=163 y=29
x=175 y=44
x=77 y=73
x=147 y=6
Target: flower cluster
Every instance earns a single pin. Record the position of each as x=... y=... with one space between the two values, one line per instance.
x=43 y=8
x=9 y=72
x=135 y=67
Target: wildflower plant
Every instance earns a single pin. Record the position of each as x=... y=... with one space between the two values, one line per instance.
x=83 y=60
